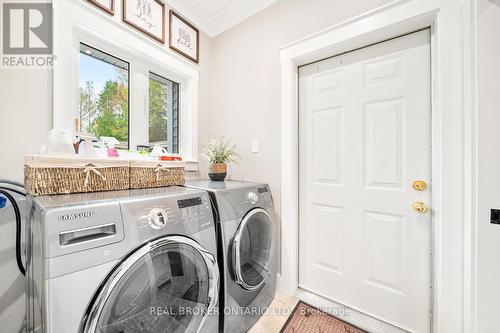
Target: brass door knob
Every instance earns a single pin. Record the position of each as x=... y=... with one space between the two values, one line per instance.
x=419 y=185
x=420 y=207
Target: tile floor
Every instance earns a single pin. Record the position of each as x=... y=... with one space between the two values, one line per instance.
x=276 y=316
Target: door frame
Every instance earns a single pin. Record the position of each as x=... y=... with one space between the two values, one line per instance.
x=452 y=24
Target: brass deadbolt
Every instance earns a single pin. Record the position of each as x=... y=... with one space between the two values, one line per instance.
x=419 y=185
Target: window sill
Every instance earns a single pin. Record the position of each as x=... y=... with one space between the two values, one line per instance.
x=192 y=165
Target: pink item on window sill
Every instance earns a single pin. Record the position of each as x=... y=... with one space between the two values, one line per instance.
x=113 y=152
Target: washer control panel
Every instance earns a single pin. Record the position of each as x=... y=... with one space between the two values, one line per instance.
x=157 y=218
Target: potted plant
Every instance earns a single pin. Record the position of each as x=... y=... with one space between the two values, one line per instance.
x=219 y=152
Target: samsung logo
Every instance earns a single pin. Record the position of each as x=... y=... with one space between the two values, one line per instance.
x=70 y=217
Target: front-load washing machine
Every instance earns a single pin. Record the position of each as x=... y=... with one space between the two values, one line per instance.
x=245 y=219
x=122 y=261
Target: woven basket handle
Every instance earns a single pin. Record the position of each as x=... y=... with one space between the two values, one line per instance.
x=88 y=169
x=160 y=168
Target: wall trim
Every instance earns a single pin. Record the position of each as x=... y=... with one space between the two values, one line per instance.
x=453 y=141
x=351 y=20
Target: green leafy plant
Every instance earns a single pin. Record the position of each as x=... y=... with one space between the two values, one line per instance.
x=220 y=150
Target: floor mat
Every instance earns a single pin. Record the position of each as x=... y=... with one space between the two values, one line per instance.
x=308 y=319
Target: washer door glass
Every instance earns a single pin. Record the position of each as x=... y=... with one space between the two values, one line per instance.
x=252 y=248
x=166 y=286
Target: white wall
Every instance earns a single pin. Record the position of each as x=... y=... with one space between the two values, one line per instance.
x=488 y=235
x=25 y=116
x=245 y=80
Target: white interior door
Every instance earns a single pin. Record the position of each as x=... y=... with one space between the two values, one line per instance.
x=365 y=137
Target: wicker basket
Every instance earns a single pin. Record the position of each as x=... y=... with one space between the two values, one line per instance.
x=44 y=175
x=146 y=174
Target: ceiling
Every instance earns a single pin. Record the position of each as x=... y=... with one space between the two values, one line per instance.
x=216 y=16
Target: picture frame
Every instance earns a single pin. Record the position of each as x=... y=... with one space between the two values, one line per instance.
x=183 y=37
x=107 y=6
x=146 y=16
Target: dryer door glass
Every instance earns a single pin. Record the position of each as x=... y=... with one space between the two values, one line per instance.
x=252 y=249
x=166 y=286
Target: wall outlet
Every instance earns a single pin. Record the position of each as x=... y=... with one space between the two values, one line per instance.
x=255 y=146
x=495 y=216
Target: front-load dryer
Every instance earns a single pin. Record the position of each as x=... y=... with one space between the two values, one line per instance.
x=245 y=223
x=123 y=261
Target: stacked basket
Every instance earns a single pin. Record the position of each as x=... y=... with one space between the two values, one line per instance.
x=55 y=175
x=145 y=174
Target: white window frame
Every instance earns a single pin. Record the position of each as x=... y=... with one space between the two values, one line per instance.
x=78 y=22
x=170 y=126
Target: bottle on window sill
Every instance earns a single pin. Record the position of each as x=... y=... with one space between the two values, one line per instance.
x=171 y=158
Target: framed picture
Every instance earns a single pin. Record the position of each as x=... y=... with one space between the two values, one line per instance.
x=147 y=16
x=106 y=5
x=184 y=38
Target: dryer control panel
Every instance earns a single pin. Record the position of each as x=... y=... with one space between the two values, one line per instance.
x=253 y=197
x=265 y=194
x=260 y=196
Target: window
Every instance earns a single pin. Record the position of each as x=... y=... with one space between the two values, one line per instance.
x=104 y=102
x=132 y=53
x=164 y=113
x=104 y=95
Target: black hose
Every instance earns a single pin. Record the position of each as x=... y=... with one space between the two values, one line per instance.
x=17 y=213
x=13 y=190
